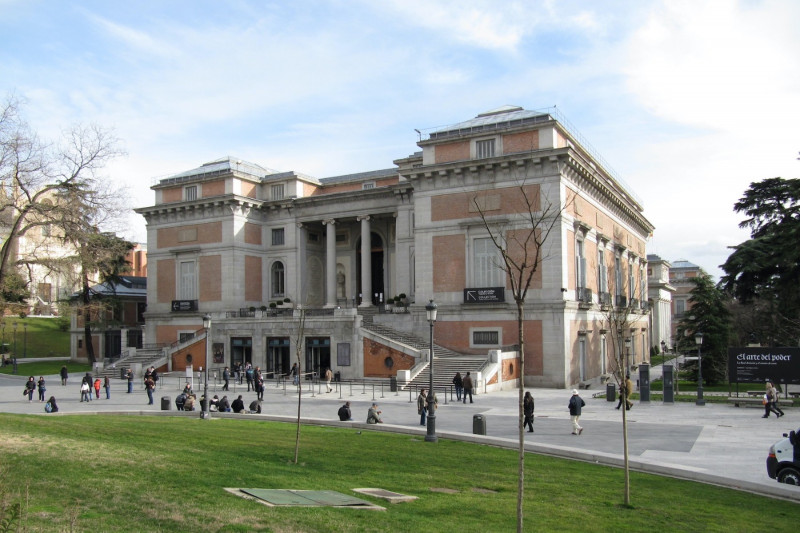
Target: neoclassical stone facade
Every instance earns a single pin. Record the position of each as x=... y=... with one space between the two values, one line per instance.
x=230 y=238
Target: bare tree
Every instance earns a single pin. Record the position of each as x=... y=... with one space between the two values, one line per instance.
x=620 y=317
x=36 y=177
x=298 y=347
x=519 y=234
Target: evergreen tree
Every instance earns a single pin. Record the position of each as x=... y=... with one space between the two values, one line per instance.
x=708 y=314
x=764 y=271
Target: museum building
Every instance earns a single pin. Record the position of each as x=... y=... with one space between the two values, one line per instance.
x=336 y=272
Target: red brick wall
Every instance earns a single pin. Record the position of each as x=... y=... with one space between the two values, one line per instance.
x=198 y=352
x=252 y=233
x=165 y=280
x=449 y=265
x=252 y=278
x=521 y=142
x=457 y=151
x=213 y=188
x=375 y=355
x=461 y=205
x=206 y=233
x=210 y=278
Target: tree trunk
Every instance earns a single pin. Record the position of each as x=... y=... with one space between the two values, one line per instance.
x=521 y=414
x=87 y=315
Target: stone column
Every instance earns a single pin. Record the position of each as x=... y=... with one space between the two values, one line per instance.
x=330 y=263
x=366 y=262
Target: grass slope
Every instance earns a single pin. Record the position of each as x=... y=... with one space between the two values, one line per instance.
x=104 y=473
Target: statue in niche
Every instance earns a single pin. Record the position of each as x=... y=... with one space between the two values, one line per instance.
x=340 y=282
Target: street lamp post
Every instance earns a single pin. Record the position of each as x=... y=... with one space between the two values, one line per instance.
x=627 y=353
x=207 y=326
x=15 y=339
x=698 y=339
x=430 y=436
x=663 y=361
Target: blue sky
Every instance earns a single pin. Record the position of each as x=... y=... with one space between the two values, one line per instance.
x=689 y=101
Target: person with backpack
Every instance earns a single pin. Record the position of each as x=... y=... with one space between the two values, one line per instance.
x=248 y=374
x=51 y=406
x=41 y=388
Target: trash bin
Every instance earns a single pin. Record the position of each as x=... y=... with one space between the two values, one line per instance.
x=393 y=384
x=478 y=425
x=611 y=392
x=165 y=401
x=337 y=376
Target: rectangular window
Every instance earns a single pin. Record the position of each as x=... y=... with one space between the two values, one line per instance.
x=277 y=191
x=367 y=186
x=603 y=354
x=618 y=276
x=680 y=307
x=190 y=193
x=185 y=336
x=602 y=271
x=188 y=286
x=486 y=264
x=491 y=338
x=277 y=237
x=580 y=265
x=631 y=281
x=484 y=149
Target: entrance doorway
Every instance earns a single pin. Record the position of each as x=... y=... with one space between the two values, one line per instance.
x=278 y=356
x=241 y=350
x=318 y=355
x=376 y=295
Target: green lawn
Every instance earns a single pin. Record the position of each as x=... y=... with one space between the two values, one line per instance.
x=46 y=368
x=131 y=473
x=41 y=338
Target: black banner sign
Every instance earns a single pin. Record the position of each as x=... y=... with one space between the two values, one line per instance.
x=184 y=305
x=484 y=295
x=779 y=365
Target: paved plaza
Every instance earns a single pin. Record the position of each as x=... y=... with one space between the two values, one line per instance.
x=715 y=443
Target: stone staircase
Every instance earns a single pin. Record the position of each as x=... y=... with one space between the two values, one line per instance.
x=445 y=362
x=145 y=357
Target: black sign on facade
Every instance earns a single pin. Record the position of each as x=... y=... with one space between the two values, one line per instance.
x=184 y=305
x=779 y=365
x=484 y=295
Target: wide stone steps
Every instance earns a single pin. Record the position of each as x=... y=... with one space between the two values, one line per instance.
x=446 y=362
x=146 y=358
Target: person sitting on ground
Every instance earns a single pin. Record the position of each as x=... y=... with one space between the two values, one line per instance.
x=50 y=406
x=238 y=405
x=224 y=405
x=190 y=401
x=374 y=415
x=344 y=413
x=255 y=407
x=214 y=404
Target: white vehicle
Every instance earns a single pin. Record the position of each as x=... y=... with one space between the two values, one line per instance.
x=783 y=462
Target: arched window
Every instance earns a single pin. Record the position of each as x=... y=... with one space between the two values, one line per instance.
x=278 y=279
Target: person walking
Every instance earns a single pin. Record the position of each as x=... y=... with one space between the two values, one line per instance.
x=328 y=378
x=625 y=390
x=575 y=404
x=107 y=387
x=30 y=386
x=770 y=401
x=527 y=409
x=774 y=399
x=295 y=375
x=226 y=377
x=40 y=386
x=467 y=383
x=64 y=376
x=458 y=384
x=422 y=407
x=258 y=384
x=97 y=385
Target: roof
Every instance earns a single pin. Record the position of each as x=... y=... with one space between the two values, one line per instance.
x=128 y=286
x=495 y=119
x=219 y=166
x=359 y=176
x=683 y=263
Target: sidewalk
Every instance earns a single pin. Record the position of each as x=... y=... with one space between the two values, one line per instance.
x=715 y=443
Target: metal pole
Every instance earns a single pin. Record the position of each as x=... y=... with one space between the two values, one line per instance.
x=700 y=400
x=205 y=411
x=25 y=344
x=430 y=435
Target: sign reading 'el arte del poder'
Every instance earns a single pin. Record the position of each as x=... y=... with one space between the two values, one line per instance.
x=780 y=365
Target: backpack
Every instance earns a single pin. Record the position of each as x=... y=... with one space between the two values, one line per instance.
x=48 y=407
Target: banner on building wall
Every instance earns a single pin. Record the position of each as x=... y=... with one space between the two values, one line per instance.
x=753 y=364
x=484 y=295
